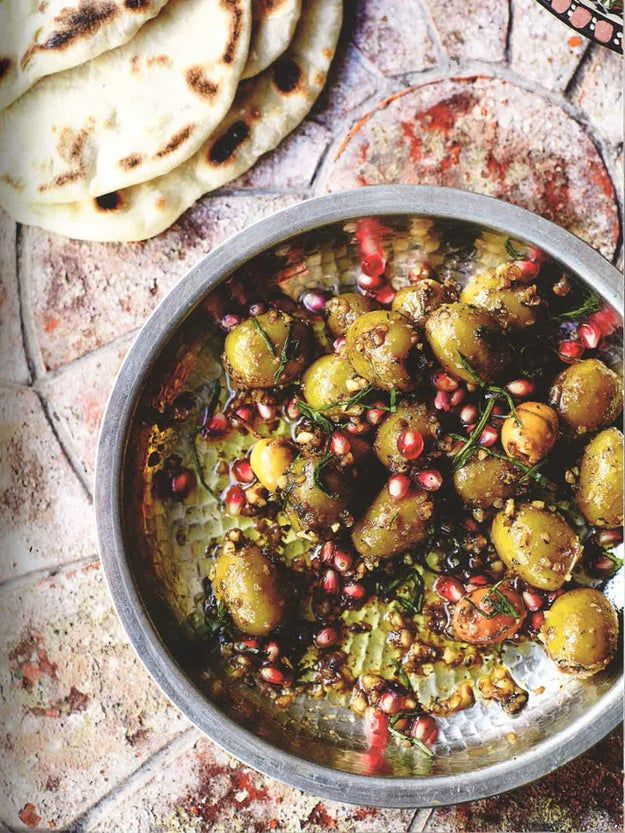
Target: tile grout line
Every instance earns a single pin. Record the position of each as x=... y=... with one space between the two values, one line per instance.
x=420 y=820
x=34 y=359
x=48 y=572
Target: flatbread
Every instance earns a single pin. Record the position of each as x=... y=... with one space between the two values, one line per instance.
x=265 y=110
x=41 y=38
x=130 y=115
x=273 y=25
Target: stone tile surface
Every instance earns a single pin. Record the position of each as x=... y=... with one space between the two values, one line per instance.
x=599 y=93
x=542 y=48
x=586 y=794
x=13 y=365
x=471 y=29
x=206 y=791
x=45 y=514
x=488 y=136
x=349 y=84
x=84 y=295
x=78 y=711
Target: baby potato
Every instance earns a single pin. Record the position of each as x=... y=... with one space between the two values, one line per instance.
x=536 y=544
x=482 y=483
x=515 y=305
x=580 y=632
x=530 y=435
x=330 y=379
x=268 y=350
x=342 y=310
x=390 y=526
x=317 y=492
x=380 y=345
x=588 y=396
x=270 y=459
x=488 y=615
x=249 y=585
x=456 y=330
x=600 y=494
x=413 y=416
x=418 y=300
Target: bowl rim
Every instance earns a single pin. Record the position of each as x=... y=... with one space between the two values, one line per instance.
x=378 y=791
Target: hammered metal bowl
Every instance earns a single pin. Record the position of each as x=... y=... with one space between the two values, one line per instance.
x=155 y=574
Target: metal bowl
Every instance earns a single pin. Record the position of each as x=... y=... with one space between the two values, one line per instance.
x=328 y=762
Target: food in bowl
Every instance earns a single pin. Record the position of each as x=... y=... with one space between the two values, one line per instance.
x=408 y=464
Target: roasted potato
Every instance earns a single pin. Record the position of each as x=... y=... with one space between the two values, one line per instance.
x=457 y=331
x=380 y=347
x=413 y=416
x=318 y=493
x=269 y=350
x=488 y=482
x=529 y=434
x=270 y=459
x=390 y=526
x=588 y=396
x=536 y=544
x=418 y=300
x=515 y=305
x=600 y=493
x=330 y=381
x=580 y=632
x=488 y=615
x=250 y=587
x=342 y=310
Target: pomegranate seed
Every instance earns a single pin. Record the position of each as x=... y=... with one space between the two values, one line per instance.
x=457 y=397
x=589 y=334
x=468 y=414
x=430 y=479
x=247 y=645
x=292 y=409
x=357 y=427
x=535 y=254
x=339 y=444
x=529 y=269
x=244 y=413
x=355 y=590
x=477 y=581
x=338 y=344
x=235 y=500
x=609 y=538
x=532 y=600
x=272 y=649
x=551 y=597
x=569 y=351
x=266 y=412
x=314 y=301
x=604 y=565
x=536 y=620
x=398 y=486
x=444 y=382
x=469 y=428
x=229 y=321
x=489 y=436
x=342 y=561
x=218 y=425
x=326 y=638
x=257 y=309
x=521 y=388
x=606 y=319
x=375 y=415
x=449 y=588
x=385 y=295
x=272 y=675
x=370 y=282
x=424 y=728
x=242 y=471
x=497 y=410
x=391 y=703
x=471 y=525
x=330 y=582
x=376 y=728
x=370 y=252
x=182 y=483
x=327 y=552
x=441 y=401
x=410 y=444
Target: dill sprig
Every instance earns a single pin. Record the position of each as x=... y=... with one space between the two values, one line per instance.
x=316 y=415
x=464 y=454
x=318 y=474
x=268 y=341
x=418 y=744
x=288 y=352
x=514 y=253
x=494 y=389
x=591 y=303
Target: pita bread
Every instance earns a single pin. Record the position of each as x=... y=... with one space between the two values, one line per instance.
x=265 y=110
x=273 y=24
x=39 y=39
x=131 y=114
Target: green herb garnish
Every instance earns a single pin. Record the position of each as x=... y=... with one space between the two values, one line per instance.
x=198 y=466
x=318 y=472
x=219 y=622
x=514 y=253
x=494 y=389
x=413 y=741
x=288 y=352
x=591 y=303
x=407 y=590
x=466 y=452
x=316 y=415
x=268 y=341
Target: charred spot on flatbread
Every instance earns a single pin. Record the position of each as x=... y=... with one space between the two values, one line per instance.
x=176 y=140
x=79 y=23
x=234 y=8
x=135 y=5
x=109 y=202
x=199 y=83
x=286 y=75
x=130 y=162
x=221 y=150
x=5 y=66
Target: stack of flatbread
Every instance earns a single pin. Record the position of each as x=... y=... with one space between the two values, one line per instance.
x=117 y=115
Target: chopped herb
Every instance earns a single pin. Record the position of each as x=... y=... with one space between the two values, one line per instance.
x=499 y=604
x=494 y=389
x=219 y=622
x=392 y=403
x=466 y=452
x=288 y=352
x=413 y=742
x=407 y=590
x=591 y=303
x=529 y=472
x=318 y=472
x=616 y=561
x=198 y=466
x=315 y=416
x=268 y=341
x=514 y=253
x=403 y=678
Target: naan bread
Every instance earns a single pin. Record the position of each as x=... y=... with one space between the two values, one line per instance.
x=40 y=38
x=130 y=115
x=265 y=110
x=273 y=24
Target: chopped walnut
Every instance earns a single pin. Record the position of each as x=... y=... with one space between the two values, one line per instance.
x=500 y=686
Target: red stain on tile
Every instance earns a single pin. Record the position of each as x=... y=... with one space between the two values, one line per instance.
x=50 y=324
x=29 y=661
x=28 y=815
x=320 y=817
x=442 y=117
x=414 y=141
x=72 y=703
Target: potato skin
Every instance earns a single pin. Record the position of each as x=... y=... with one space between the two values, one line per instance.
x=250 y=361
x=379 y=347
x=342 y=310
x=600 y=493
x=588 y=396
x=410 y=415
x=390 y=527
x=531 y=435
x=470 y=626
x=455 y=329
x=481 y=483
x=580 y=632
x=515 y=305
x=536 y=544
x=418 y=300
x=249 y=585
x=270 y=459
x=326 y=382
x=312 y=508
